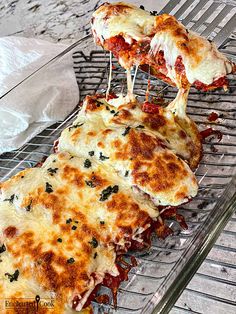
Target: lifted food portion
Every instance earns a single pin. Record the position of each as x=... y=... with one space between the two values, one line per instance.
x=160 y=45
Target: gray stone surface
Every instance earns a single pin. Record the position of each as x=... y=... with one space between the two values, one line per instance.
x=54 y=20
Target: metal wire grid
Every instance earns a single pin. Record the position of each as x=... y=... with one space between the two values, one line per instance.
x=210 y=18
x=217 y=275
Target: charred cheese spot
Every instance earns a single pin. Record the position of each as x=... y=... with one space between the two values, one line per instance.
x=141 y=145
x=76 y=134
x=107 y=131
x=129 y=213
x=73 y=175
x=91 y=133
x=154 y=121
x=92 y=105
x=117 y=143
x=98 y=180
x=10 y=232
x=124 y=115
x=101 y=144
x=182 y=134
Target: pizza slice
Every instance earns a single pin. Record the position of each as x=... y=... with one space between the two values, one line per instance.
x=63 y=229
x=161 y=46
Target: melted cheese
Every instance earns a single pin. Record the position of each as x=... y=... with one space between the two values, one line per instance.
x=34 y=208
x=122 y=18
x=163 y=125
x=109 y=76
x=155 y=170
x=202 y=61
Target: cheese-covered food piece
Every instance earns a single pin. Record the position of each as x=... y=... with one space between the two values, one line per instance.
x=133 y=149
x=61 y=227
x=174 y=54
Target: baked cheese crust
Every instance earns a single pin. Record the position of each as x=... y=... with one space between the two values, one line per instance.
x=61 y=226
x=133 y=150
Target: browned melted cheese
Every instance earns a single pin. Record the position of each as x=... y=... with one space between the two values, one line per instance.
x=62 y=226
x=138 y=146
x=175 y=54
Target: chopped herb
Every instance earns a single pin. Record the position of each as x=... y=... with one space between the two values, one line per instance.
x=75 y=126
x=107 y=192
x=2 y=249
x=10 y=200
x=91 y=153
x=87 y=163
x=102 y=157
x=126 y=131
x=59 y=240
x=52 y=171
x=98 y=105
x=28 y=207
x=76 y=221
x=90 y=184
x=140 y=126
x=126 y=173
x=71 y=157
x=116 y=114
x=107 y=108
x=68 y=221
x=95 y=255
x=94 y=243
x=22 y=177
x=142 y=7
x=13 y=277
x=112 y=111
x=48 y=188
x=71 y=260
x=153 y=13
x=102 y=222
x=74 y=228
x=54 y=160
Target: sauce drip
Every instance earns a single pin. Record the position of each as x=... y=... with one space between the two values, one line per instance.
x=220 y=82
x=103 y=299
x=40 y=163
x=213 y=117
x=55 y=146
x=160 y=228
x=208 y=132
x=150 y=107
x=114 y=282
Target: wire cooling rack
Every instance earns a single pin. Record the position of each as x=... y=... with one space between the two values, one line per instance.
x=212 y=289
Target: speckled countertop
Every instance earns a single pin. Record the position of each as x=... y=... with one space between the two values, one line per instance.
x=66 y=21
x=54 y=20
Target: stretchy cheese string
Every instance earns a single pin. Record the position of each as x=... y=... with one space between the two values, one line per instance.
x=109 y=77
